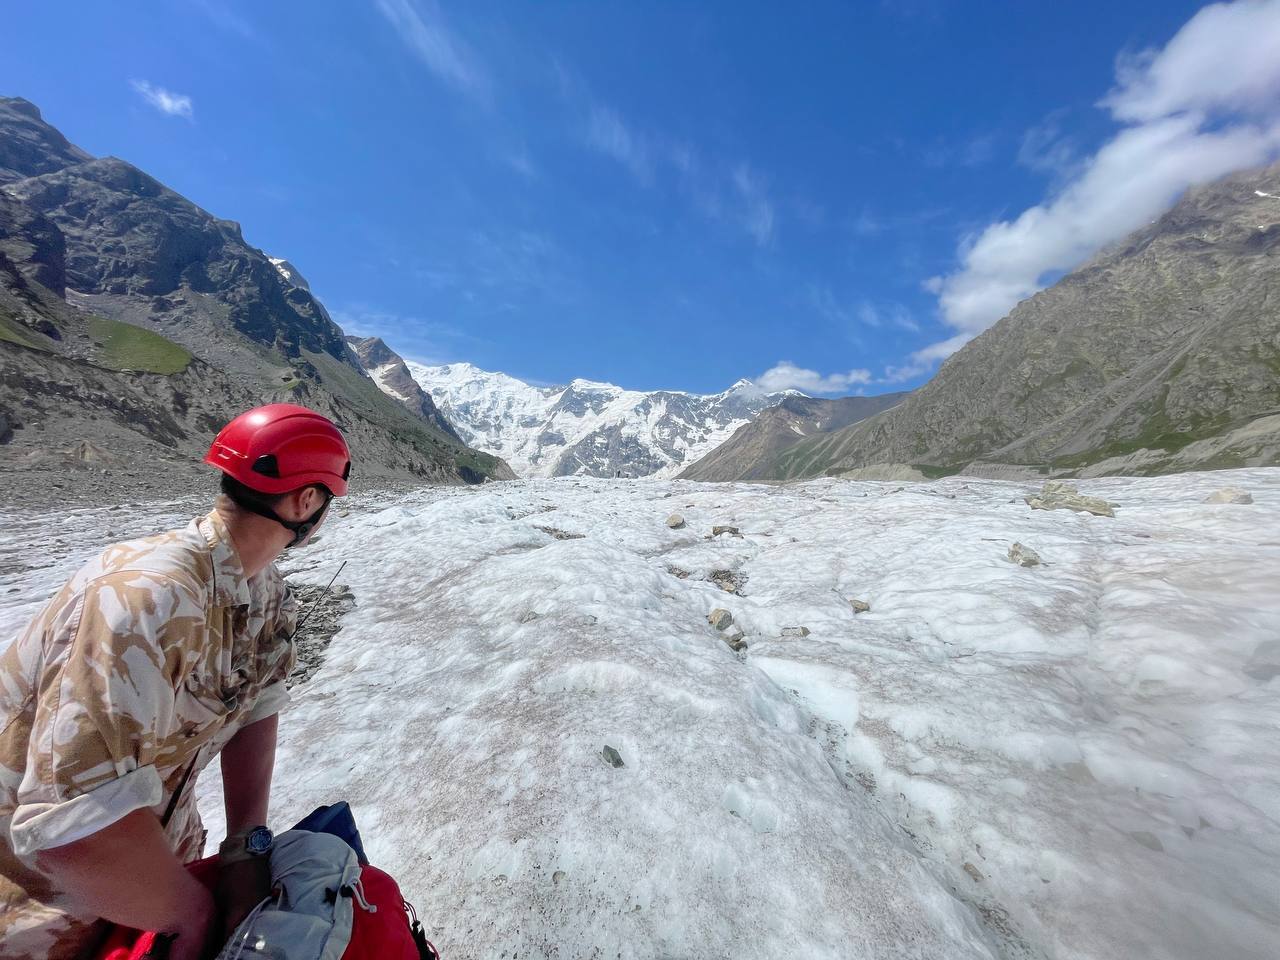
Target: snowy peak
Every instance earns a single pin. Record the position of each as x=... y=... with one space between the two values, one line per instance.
x=289 y=273
x=386 y=368
x=587 y=428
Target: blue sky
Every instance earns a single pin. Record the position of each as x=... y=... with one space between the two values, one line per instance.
x=665 y=195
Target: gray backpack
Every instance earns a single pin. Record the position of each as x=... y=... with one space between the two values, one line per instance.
x=315 y=879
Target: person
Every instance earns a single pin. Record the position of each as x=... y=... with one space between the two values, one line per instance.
x=157 y=656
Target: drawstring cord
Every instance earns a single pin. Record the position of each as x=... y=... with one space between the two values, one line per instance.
x=246 y=925
x=357 y=890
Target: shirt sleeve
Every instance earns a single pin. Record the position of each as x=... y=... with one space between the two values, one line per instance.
x=106 y=710
x=275 y=696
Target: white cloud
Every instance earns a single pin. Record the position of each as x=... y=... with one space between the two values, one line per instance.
x=166 y=101
x=1193 y=115
x=785 y=375
x=432 y=42
x=1226 y=57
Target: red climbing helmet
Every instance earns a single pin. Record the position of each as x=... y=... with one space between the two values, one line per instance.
x=281 y=447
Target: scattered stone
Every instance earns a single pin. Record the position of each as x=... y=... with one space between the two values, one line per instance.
x=1264 y=662
x=1229 y=495
x=973 y=871
x=1060 y=495
x=612 y=756
x=560 y=534
x=800 y=632
x=558 y=877
x=1023 y=556
x=736 y=641
x=859 y=606
x=720 y=618
x=529 y=616
x=675 y=521
x=732 y=531
x=319 y=615
x=728 y=581
x=678 y=572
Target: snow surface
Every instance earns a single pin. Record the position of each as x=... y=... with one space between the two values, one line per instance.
x=533 y=427
x=1075 y=760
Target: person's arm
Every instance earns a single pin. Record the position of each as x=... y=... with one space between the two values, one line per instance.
x=247 y=762
x=102 y=871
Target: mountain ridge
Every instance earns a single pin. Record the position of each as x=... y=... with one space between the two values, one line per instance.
x=586 y=427
x=1160 y=354
x=130 y=314
x=748 y=455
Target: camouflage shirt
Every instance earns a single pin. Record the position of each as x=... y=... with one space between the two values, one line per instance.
x=146 y=663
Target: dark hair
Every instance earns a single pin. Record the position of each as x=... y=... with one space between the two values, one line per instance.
x=239 y=493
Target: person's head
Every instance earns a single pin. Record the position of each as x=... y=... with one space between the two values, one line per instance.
x=284 y=463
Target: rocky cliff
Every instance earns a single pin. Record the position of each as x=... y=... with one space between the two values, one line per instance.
x=755 y=449
x=1160 y=354
x=117 y=295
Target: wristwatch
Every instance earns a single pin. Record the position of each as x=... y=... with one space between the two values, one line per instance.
x=247 y=844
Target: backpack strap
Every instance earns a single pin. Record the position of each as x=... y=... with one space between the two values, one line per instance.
x=426 y=949
x=177 y=794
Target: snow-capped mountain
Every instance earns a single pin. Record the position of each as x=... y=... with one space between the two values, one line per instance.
x=587 y=428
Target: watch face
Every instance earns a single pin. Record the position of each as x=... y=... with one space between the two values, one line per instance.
x=259 y=841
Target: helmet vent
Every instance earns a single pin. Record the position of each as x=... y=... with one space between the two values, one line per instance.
x=267 y=465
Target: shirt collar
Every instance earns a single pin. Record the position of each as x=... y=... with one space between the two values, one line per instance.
x=230 y=585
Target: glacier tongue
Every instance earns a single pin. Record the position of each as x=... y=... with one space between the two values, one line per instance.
x=1072 y=760
x=587 y=428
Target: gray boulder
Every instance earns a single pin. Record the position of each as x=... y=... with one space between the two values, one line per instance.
x=612 y=756
x=720 y=618
x=859 y=606
x=1060 y=495
x=1229 y=495
x=796 y=632
x=1023 y=556
x=675 y=521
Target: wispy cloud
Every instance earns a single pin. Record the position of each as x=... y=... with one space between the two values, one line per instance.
x=1047 y=149
x=1190 y=115
x=608 y=134
x=785 y=375
x=429 y=341
x=863 y=313
x=734 y=193
x=422 y=28
x=974 y=151
x=166 y=101
x=522 y=163
x=222 y=16
x=755 y=211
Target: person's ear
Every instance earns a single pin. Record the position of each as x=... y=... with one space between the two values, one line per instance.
x=311 y=501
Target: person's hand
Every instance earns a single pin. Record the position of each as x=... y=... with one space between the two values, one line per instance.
x=190 y=939
x=242 y=885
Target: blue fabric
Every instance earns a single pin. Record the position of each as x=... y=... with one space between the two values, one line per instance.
x=336 y=819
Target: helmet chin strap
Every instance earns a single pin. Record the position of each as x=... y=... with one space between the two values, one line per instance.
x=299 y=528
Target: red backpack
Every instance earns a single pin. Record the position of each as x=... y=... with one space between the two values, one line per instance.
x=393 y=931
x=385 y=927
